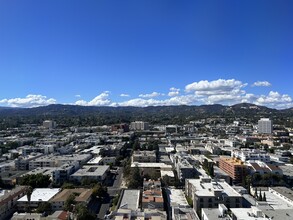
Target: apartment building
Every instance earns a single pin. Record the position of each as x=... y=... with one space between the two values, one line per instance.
x=81 y=196
x=8 y=201
x=265 y=126
x=246 y=154
x=179 y=207
x=234 y=167
x=56 y=161
x=139 y=126
x=152 y=197
x=22 y=162
x=144 y=156
x=150 y=168
x=209 y=193
x=38 y=196
x=97 y=173
x=185 y=170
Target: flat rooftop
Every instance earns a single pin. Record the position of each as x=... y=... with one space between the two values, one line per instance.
x=95 y=160
x=287 y=169
x=169 y=173
x=41 y=194
x=213 y=214
x=151 y=165
x=204 y=188
x=91 y=171
x=82 y=195
x=232 y=160
x=284 y=214
x=130 y=199
x=247 y=213
x=284 y=191
x=177 y=197
x=274 y=202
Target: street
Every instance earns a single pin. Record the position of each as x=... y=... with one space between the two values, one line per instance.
x=112 y=192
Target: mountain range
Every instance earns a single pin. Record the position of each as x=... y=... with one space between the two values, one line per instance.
x=153 y=114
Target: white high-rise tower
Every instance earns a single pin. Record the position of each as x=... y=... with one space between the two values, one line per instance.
x=265 y=126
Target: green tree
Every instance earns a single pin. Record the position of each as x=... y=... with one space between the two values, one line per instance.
x=29 y=192
x=69 y=202
x=135 y=180
x=264 y=198
x=255 y=192
x=68 y=186
x=189 y=201
x=260 y=196
x=35 y=180
x=99 y=190
x=82 y=213
x=136 y=145
x=166 y=181
x=44 y=207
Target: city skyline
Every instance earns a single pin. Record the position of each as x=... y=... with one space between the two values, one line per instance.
x=144 y=53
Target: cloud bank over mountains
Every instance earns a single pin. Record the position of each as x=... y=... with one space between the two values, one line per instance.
x=220 y=91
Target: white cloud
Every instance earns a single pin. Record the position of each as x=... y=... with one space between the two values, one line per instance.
x=177 y=100
x=221 y=91
x=173 y=91
x=29 y=101
x=77 y=96
x=275 y=100
x=261 y=83
x=124 y=95
x=100 y=100
x=216 y=86
x=151 y=95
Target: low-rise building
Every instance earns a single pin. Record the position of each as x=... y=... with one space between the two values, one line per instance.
x=81 y=196
x=152 y=197
x=56 y=161
x=130 y=200
x=208 y=193
x=179 y=207
x=8 y=201
x=22 y=162
x=127 y=214
x=38 y=196
x=221 y=213
x=97 y=173
x=251 y=154
x=263 y=168
x=150 y=168
x=144 y=156
x=185 y=170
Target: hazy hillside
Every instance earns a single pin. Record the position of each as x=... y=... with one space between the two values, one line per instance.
x=89 y=115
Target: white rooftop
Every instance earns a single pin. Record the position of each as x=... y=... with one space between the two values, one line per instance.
x=275 y=202
x=151 y=165
x=41 y=194
x=98 y=170
x=177 y=197
x=248 y=213
x=95 y=160
x=207 y=188
x=169 y=173
x=130 y=199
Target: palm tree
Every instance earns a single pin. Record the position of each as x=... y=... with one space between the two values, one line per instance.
x=29 y=192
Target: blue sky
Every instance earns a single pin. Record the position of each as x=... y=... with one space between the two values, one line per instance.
x=153 y=52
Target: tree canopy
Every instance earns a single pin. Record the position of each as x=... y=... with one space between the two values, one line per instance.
x=35 y=180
